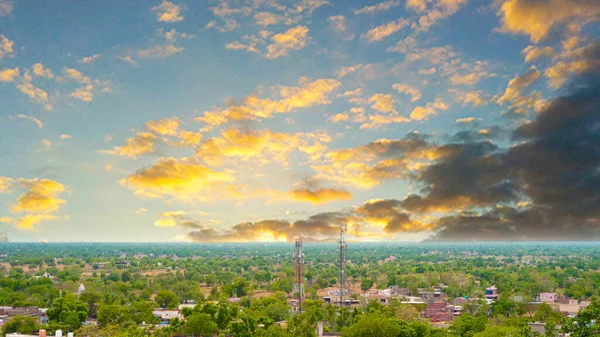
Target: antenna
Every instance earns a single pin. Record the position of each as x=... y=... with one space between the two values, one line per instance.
x=342 y=262
x=298 y=287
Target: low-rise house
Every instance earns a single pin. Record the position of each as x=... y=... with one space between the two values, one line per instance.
x=548 y=297
x=491 y=293
x=166 y=315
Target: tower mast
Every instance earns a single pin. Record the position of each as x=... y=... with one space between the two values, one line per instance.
x=342 y=262
x=298 y=278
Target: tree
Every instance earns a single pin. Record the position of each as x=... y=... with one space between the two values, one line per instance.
x=166 y=299
x=378 y=325
x=200 y=324
x=466 y=325
x=91 y=298
x=545 y=313
x=68 y=310
x=113 y=314
x=366 y=284
x=20 y=324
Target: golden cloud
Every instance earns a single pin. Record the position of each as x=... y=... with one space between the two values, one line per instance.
x=307 y=94
x=41 y=196
x=369 y=165
x=9 y=75
x=320 y=196
x=183 y=179
x=423 y=112
x=6 y=47
x=134 y=147
x=29 y=221
x=35 y=93
x=262 y=146
x=292 y=39
x=168 y=12
x=539 y=18
x=41 y=71
x=166 y=222
x=414 y=93
x=382 y=31
x=473 y=98
x=164 y=127
x=518 y=83
x=380 y=7
x=5 y=184
x=533 y=53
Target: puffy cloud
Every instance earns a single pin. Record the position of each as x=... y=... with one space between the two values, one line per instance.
x=65 y=136
x=9 y=75
x=77 y=76
x=442 y=9
x=379 y=219
x=5 y=184
x=168 y=12
x=41 y=71
x=6 y=7
x=142 y=143
x=369 y=165
x=305 y=95
x=37 y=94
x=473 y=98
x=423 y=112
x=38 y=122
x=84 y=94
x=338 y=22
x=383 y=102
x=6 y=47
x=29 y=221
x=261 y=147
x=188 y=138
x=41 y=196
x=417 y=5
x=380 y=32
x=183 y=179
x=90 y=59
x=380 y=7
x=585 y=59
x=541 y=18
x=164 y=127
x=344 y=71
x=165 y=222
x=532 y=53
x=414 y=93
x=292 y=39
x=267 y=18
x=519 y=83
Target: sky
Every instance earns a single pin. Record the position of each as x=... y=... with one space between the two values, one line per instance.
x=255 y=120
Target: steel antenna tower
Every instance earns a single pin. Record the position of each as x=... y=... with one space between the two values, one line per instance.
x=342 y=262
x=298 y=278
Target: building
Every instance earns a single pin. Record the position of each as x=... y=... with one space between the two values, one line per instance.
x=166 y=315
x=548 y=297
x=491 y=293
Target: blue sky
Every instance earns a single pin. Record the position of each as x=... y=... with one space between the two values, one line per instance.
x=247 y=120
